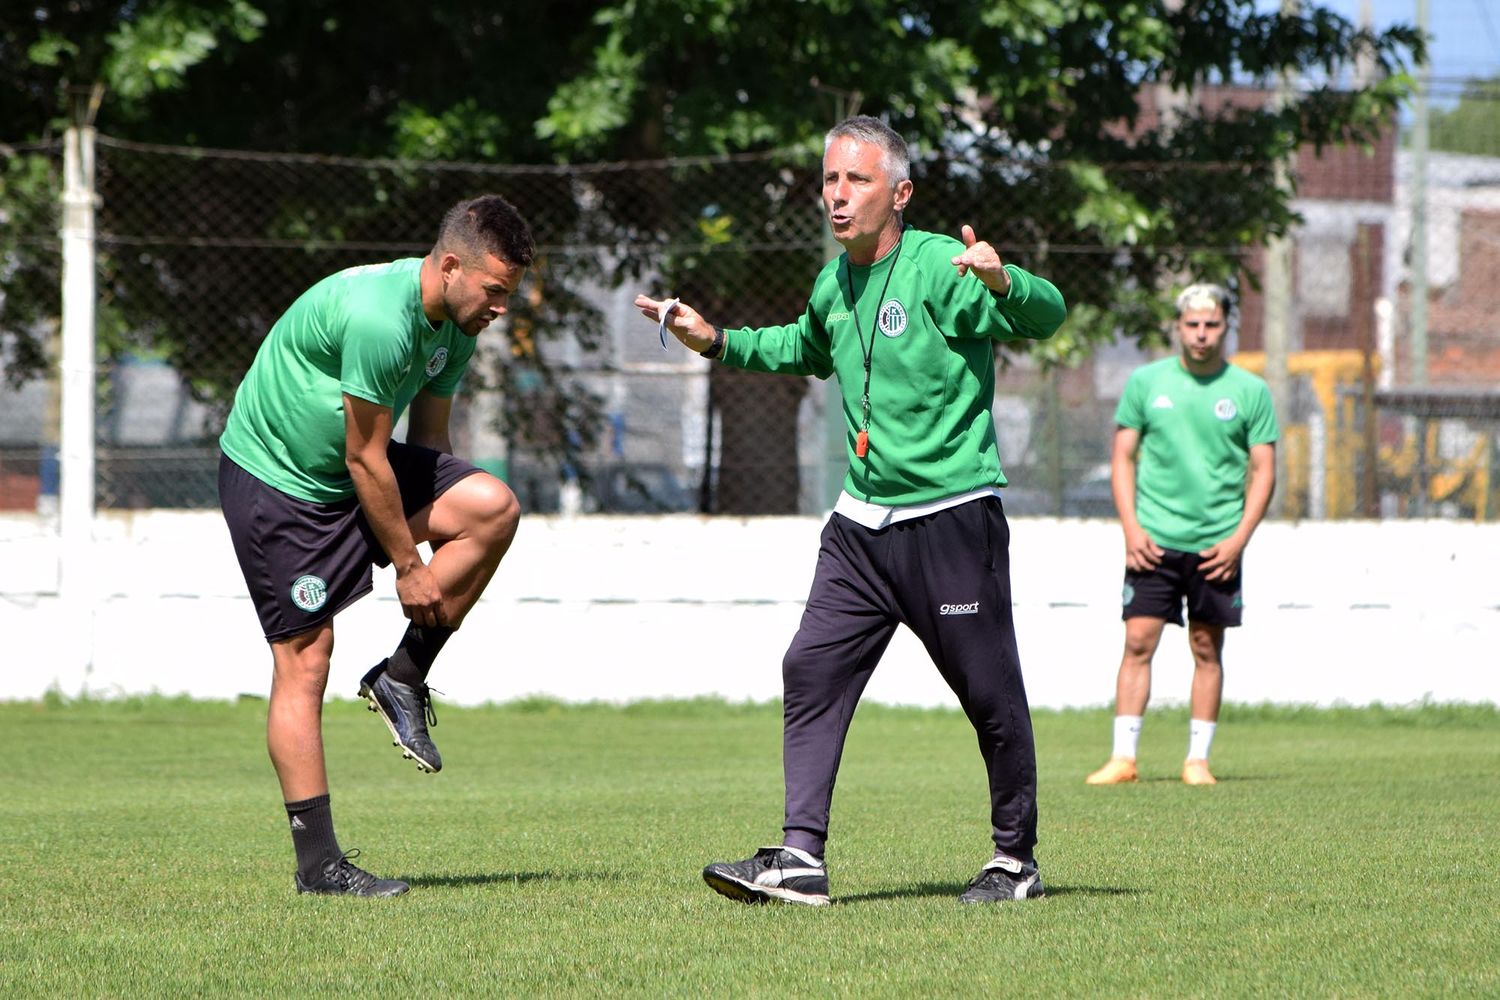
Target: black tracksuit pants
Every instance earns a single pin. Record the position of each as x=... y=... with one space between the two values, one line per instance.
x=946 y=576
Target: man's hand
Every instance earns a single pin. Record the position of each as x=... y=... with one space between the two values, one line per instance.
x=420 y=596
x=683 y=322
x=1141 y=553
x=984 y=261
x=1222 y=561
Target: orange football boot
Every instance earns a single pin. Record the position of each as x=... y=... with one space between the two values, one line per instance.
x=1116 y=771
x=1195 y=772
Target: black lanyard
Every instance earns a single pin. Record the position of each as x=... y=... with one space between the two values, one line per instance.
x=862 y=439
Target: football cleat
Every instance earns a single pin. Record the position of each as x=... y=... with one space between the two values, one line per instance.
x=773 y=874
x=407 y=712
x=340 y=877
x=1005 y=878
x=1195 y=772
x=1116 y=771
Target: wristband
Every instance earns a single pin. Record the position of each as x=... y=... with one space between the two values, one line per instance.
x=717 y=347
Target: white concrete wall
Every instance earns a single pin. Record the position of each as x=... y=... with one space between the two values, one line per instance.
x=629 y=608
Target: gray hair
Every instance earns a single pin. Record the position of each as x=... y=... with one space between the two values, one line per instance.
x=863 y=128
x=1205 y=296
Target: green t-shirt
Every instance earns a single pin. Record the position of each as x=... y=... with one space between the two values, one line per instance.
x=1196 y=435
x=932 y=370
x=360 y=331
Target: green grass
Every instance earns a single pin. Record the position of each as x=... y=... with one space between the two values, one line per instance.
x=143 y=852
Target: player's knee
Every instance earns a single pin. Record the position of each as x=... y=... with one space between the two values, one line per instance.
x=496 y=510
x=1206 y=658
x=300 y=677
x=799 y=669
x=1206 y=646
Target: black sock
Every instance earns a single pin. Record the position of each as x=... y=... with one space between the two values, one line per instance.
x=312 y=835
x=413 y=658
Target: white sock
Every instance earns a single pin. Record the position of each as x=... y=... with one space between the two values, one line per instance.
x=1200 y=738
x=1127 y=735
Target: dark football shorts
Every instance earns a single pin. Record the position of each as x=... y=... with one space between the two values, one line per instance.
x=1160 y=593
x=305 y=562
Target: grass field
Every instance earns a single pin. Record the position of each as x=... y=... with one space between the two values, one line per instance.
x=143 y=852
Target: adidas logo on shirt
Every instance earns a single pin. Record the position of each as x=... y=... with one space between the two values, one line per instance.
x=1161 y=403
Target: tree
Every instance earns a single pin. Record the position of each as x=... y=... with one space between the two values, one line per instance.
x=1473 y=124
x=194 y=268
x=1026 y=114
x=61 y=59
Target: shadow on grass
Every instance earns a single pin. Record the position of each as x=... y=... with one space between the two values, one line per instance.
x=515 y=878
x=1224 y=779
x=954 y=889
x=1093 y=890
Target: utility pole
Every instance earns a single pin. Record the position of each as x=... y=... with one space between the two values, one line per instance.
x=1418 y=303
x=1279 y=315
x=76 y=488
x=1419 y=141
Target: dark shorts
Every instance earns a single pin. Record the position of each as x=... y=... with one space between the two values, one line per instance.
x=305 y=562
x=1160 y=593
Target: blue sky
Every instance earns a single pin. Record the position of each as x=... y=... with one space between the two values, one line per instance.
x=1466 y=33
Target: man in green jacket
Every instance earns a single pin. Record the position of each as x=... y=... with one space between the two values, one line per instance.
x=907 y=322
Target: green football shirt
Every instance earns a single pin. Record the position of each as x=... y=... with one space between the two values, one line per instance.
x=360 y=331
x=931 y=339
x=1196 y=434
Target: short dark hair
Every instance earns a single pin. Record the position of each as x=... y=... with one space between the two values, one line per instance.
x=863 y=128
x=487 y=224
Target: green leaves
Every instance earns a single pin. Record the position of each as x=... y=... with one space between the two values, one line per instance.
x=1473 y=124
x=585 y=110
x=1116 y=215
x=154 y=49
x=456 y=133
x=51 y=50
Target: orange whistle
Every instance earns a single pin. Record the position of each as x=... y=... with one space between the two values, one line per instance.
x=862 y=443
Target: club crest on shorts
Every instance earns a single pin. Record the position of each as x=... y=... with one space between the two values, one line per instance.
x=309 y=592
x=1127 y=596
x=1225 y=409
x=892 y=318
x=437 y=362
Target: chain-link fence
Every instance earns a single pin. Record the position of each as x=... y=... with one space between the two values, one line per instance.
x=574 y=403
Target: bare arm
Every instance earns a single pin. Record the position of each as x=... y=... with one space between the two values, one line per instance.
x=1222 y=561
x=367 y=432
x=1141 y=553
